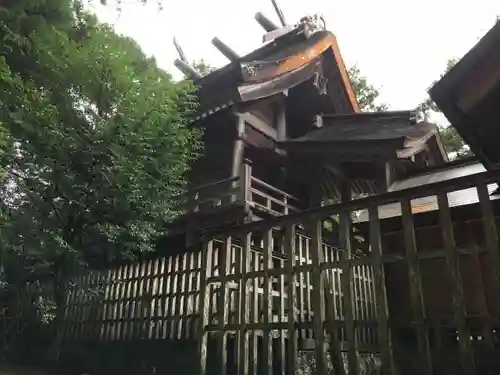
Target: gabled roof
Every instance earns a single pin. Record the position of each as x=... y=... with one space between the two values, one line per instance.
x=273 y=68
x=468 y=95
x=399 y=133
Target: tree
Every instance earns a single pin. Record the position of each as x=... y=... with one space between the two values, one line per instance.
x=97 y=140
x=366 y=94
x=203 y=67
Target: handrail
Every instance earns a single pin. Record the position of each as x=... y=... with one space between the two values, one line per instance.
x=456 y=184
x=212 y=184
x=272 y=199
x=273 y=189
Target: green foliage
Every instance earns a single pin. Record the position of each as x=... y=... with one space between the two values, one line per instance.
x=366 y=94
x=95 y=140
x=203 y=67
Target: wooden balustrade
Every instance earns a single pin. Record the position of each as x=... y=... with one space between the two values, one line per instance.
x=245 y=188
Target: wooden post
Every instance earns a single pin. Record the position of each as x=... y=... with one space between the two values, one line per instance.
x=416 y=296
x=222 y=308
x=239 y=146
x=246 y=182
x=491 y=237
x=318 y=297
x=384 y=334
x=347 y=284
x=280 y=118
x=458 y=301
x=267 y=349
x=204 y=307
x=244 y=306
x=291 y=277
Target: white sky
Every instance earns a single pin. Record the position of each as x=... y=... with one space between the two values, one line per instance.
x=401 y=46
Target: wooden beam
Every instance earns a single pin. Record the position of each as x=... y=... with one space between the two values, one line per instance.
x=260 y=125
x=265 y=22
x=225 y=49
x=181 y=53
x=280 y=14
x=187 y=69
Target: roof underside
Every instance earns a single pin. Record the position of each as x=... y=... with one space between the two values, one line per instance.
x=468 y=95
x=380 y=133
x=277 y=66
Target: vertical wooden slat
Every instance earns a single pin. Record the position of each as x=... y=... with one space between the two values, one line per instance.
x=181 y=292
x=135 y=299
x=365 y=301
x=300 y=297
x=174 y=296
x=255 y=313
x=153 y=283
x=347 y=286
x=485 y=311
x=318 y=296
x=334 y=348
x=222 y=306
x=339 y=295
x=170 y=308
x=267 y=350
x=197 y=295
x=282 y=317
x=128 y=275
x=142 y=298
x=291 y=295
x=416 y=296
x=307 y=254
x=491 y=235
x=149 y=300
x=244 y=312
x=355 y=298
x=458 y=301
x=188 y=308
x=159 y=304
x=373 y=299
x=204 y=305
x=105 y=303
x=383 y=333
x=112 y=282
x=85 y=307
x=119 y=298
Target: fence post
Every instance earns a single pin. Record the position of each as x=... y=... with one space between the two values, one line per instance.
x=246 y=181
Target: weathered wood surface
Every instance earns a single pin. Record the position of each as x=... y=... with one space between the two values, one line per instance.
x=263 y=285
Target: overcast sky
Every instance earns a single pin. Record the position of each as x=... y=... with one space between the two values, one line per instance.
x=401 y=46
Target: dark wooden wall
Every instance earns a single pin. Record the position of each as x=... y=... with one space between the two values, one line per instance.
x=218 y=142
x=475 y=266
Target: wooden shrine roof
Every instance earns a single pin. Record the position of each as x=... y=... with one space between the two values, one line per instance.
x=274 y=68
x=385 y=133
x=469 y=94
